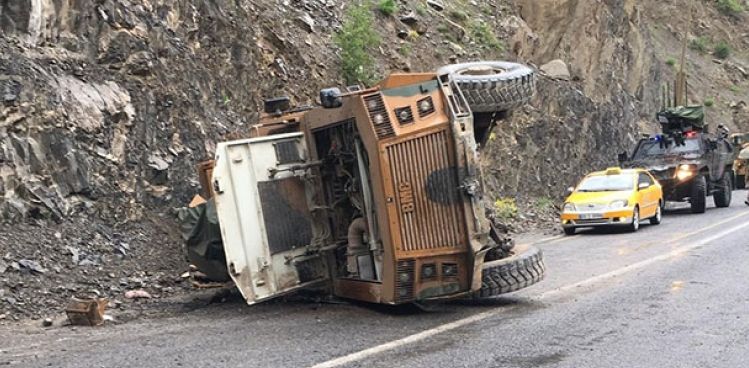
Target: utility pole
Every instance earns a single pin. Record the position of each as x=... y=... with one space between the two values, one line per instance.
x=680 y=87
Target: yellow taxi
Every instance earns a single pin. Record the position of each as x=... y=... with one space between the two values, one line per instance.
x=614 y=197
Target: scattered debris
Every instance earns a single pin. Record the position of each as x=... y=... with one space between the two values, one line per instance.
x=32 y=266
x=137 y=294
x=47 y=322
x=86 y=312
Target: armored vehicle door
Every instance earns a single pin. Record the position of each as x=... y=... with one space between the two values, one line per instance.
x=719 y=154
x=261 y=201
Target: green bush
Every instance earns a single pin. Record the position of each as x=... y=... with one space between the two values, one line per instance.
x=421 y=9
x=543 y=203
x=483 y=35
x=722 y=50
x=730 y=7
x=709 y=102
x=459 y=16
x=671 y=62
x=356 y=40
x=700 y=44
x=388 y=7
x=405 y=50
x=506 y=208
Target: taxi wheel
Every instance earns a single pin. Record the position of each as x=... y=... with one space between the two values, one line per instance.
x=569 y=230
x=635 y=225
x=656 y=220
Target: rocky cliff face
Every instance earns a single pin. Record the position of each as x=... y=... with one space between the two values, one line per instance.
x=107 y=105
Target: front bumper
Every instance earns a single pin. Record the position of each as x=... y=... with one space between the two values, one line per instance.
x=620 y=217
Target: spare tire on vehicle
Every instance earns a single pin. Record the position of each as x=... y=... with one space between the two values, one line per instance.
x=523 y=268
x=493 y=86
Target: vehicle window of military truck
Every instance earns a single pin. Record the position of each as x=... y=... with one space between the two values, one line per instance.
x=607 y=183
x=658 y=148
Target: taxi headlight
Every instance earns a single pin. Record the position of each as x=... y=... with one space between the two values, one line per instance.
x=569 y=207
x=619 y=204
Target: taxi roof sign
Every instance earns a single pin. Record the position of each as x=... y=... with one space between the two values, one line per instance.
x=613 y=171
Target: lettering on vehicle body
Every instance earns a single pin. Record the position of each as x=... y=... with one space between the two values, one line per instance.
x=406 y=197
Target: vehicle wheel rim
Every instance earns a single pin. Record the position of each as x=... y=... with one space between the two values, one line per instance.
x=658 y=214
x=636 y=220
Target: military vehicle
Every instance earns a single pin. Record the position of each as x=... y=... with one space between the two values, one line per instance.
x=689 y=162
x=376 y=195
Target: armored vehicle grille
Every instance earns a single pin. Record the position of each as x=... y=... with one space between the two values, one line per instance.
x=287 y=152
x=379 y=116
x=426 y=190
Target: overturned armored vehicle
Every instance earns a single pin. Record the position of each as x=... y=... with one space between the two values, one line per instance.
x=375 y=196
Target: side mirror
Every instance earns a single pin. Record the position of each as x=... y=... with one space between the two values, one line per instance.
x=623 y=157
x=642 y=186
x=569 y=191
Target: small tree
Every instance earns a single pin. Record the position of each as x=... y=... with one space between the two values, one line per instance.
x=388 y=7
x=356 y=40
x=730 y=7
x=722 y=50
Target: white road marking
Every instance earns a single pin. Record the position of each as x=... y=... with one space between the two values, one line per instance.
x=635 y=266
x=363 y=354
x=551 y=240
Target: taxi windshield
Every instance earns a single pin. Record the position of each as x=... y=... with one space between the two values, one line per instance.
x=607 y=183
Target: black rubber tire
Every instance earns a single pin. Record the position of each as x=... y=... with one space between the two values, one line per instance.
x=493 y=86
x=520 y=270
x=570 y=231
x=740 y=182
x=722 y=196
x=656 y=220
x=698 y=195
x=636 y=220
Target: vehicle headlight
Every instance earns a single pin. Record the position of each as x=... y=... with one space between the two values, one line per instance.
x=619 y=204
x=685 y=172
x=569 y=207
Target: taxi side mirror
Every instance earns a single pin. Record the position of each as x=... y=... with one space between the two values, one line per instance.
x=642 y=186
x=569 y=191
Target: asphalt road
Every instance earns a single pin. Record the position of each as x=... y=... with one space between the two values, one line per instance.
x=673 y=295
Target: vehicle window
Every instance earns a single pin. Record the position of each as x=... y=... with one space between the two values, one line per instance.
x=644 y=178
x=606 y=183
x=657 y=148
